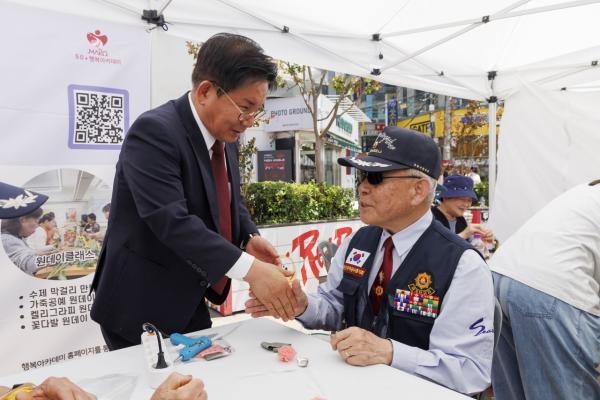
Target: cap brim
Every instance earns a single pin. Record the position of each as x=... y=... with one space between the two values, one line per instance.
x=370 y=164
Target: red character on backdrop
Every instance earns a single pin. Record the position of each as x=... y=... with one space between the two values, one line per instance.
x=308 y=252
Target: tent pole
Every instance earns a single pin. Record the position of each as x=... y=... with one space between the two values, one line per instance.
x=514 y=14
x=492 y=103
x=466 y=29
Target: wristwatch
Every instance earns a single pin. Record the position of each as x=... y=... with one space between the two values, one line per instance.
x=248 y=239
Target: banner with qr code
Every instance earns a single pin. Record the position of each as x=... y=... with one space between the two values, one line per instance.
x=71 y=87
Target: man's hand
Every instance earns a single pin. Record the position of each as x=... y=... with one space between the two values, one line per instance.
x=486 y=234
x=255 y=308
x=270 y=285
x=361 y=347
x=56 y=389
x=180 y=387
x=263 y=250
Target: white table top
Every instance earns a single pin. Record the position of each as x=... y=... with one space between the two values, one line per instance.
x=252 y=372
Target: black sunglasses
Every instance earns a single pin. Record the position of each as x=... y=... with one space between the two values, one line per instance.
x=375 y=178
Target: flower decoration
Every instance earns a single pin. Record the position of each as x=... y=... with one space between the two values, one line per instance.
x=286 y=353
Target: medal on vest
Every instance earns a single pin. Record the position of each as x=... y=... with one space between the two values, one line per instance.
x=420 y=298
x=379 y=287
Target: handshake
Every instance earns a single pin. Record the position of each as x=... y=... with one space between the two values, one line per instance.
x=271 y=293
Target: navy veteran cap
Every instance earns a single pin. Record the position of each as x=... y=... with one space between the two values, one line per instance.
x=399 y=148
x=16 y=202
x=458 y=186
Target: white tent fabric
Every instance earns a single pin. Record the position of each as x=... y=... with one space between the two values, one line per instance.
x=549 y=143
x=478 y=49
x=550 y=42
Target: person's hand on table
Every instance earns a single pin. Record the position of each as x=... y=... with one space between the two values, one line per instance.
x=486 y=234
x=56 y=389
x=256 y=309
x=270 y=285
x=263 y=250
x=180 y=387
x=360 y=347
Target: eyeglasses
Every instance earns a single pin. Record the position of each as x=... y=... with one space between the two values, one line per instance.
x=375 y=178
x=244 y=116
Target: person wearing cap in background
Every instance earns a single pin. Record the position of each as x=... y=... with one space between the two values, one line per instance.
x=20 y=210
x=390 y=297
x=457 y=196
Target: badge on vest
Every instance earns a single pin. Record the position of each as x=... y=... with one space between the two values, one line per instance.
x=357 y=258
x=417 y=304
x=352 y=270
x=422 y=284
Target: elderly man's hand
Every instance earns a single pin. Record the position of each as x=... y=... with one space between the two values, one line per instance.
x=56 y=389
x=360 y=347
x=180 y=387
x=271 y=286
x=255 y=308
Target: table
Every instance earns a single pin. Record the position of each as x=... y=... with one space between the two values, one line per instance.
x=254 y=373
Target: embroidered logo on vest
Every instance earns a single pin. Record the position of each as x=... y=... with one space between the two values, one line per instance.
x=422 y=284
x=353 y=270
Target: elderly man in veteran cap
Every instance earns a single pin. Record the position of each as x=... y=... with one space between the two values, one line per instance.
x=403 y=290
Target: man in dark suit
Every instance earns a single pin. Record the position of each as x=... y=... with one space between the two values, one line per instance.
x=177 y=219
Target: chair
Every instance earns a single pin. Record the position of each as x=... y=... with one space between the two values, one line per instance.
x=497 y=322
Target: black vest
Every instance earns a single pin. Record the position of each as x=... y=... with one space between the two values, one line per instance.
x=461 y=222
x=416 y=291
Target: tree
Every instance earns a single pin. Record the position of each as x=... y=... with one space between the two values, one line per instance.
x=310 y=83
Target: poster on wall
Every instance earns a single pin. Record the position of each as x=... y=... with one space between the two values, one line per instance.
x=65 y=110
x=275 y=165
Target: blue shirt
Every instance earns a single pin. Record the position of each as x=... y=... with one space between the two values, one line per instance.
x=462 y=339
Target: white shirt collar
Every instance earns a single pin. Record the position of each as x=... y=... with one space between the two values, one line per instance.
x=406 y=238
x=209 y=139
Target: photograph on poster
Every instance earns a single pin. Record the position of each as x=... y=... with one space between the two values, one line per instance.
x=62 y=239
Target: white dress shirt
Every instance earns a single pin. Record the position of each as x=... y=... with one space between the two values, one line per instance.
x=242 y=265
x=459 y=355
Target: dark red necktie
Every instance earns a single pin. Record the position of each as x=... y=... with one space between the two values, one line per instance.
x=383 y=276
x=220 y=174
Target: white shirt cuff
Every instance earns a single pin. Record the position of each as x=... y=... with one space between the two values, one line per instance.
x=241 y=267
x=404 y=357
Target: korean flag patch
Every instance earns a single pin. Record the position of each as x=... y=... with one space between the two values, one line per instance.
x=357 y=257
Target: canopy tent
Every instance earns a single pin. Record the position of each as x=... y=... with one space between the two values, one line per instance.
x=478 y=49
x=468 y=48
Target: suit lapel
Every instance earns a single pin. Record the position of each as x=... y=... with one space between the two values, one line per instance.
x=194 y=137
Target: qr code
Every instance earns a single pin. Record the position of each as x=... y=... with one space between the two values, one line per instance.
x=99 y=117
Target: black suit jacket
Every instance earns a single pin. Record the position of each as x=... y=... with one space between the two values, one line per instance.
x=162 y=248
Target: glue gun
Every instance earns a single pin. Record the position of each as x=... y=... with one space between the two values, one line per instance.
x=192 y=346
